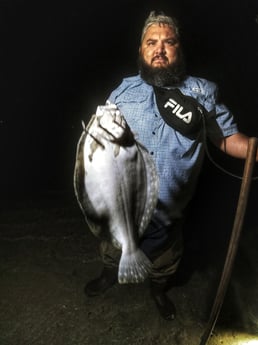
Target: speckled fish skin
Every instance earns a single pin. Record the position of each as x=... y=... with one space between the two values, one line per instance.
x=116 y=185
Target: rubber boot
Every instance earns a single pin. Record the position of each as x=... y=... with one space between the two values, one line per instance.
x=105 y=281
x=165 y=306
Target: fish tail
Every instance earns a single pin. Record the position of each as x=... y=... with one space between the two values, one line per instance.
x=133 y=267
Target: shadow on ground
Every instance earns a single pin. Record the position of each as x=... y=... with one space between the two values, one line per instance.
x=47 y=256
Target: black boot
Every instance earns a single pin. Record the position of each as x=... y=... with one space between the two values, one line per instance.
x=165 y=306
x=98 y=286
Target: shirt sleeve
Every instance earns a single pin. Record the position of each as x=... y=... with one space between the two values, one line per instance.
x=220 y=121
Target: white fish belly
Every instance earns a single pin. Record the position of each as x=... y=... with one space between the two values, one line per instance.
x=111 y=184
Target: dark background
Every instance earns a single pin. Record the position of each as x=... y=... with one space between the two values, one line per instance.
x=60 y=59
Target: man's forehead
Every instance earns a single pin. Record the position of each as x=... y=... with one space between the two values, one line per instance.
x=157 y=29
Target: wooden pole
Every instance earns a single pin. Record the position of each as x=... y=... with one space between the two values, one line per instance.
x=234 y=240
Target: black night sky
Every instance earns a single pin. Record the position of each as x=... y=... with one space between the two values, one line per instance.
x=60 y=59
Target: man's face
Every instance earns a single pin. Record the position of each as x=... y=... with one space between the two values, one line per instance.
x=161 y=60
x=159 y=47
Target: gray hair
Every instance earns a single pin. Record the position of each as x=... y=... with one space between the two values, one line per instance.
x=160 y=18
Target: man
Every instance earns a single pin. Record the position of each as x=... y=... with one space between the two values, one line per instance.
x=171 y=113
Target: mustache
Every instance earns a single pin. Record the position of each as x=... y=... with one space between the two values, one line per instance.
x=158 y=56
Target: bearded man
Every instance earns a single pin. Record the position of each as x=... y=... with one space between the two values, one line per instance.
x=170 y=112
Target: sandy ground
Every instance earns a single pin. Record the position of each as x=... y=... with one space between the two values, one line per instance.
x=48 y=254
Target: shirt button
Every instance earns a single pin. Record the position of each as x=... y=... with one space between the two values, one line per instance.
x=153 y=133
x=152 y=153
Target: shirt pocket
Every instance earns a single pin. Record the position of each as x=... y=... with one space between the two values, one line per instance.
x=132 y=97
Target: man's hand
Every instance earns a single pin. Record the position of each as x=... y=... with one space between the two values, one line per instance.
x=108 y=107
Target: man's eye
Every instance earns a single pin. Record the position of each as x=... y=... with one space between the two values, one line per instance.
x=171 y=42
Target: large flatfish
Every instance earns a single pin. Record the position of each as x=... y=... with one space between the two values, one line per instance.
x=116 y=185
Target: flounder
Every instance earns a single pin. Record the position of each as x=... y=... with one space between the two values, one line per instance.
x=116 y=185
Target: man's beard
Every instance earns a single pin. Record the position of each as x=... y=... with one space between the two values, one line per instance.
x=163 y=76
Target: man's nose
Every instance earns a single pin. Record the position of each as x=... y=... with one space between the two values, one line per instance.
x=160 y=48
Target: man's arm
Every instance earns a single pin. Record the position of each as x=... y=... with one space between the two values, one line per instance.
x=235 y=145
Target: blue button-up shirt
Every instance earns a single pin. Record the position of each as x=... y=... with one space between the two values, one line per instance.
x=178 y=159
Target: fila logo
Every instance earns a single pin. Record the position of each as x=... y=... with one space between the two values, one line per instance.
x=177 y=110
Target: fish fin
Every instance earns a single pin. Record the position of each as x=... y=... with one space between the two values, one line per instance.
x=152 y=189
x=95 y=224
x=134 y=267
